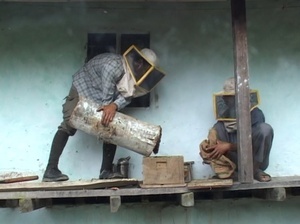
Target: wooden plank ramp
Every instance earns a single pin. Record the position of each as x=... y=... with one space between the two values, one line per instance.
x=32 y=195
x=12 y=177
x=96 y=187
x=67 y=185
x=283 y=181
x=209 y=184
x=146 y=186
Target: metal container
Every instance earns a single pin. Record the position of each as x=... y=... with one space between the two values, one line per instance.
x=123 y=166
x=188 y=171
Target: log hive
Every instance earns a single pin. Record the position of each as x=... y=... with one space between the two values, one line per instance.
x=125 y=131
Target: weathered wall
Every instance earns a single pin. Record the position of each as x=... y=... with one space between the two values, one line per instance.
x=42 y=45
x=245 y=211
x=45 y=44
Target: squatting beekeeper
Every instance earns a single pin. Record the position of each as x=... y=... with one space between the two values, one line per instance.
x=225 y=133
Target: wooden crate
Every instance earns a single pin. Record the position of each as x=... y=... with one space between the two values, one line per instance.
x=163 y=170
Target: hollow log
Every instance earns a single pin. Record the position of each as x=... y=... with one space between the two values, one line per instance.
x=125 y=131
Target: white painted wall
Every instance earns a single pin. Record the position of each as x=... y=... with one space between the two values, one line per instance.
x=41 y=47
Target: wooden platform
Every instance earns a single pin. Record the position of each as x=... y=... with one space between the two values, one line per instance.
x=209 y=184
x=67 y=185
x=286 y=182
x=32 y=195
x=128 y=187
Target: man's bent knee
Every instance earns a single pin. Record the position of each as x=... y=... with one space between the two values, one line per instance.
x=67 y=128
x=266 y=129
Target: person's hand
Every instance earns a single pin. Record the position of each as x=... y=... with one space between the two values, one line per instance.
x=109 y=112
x=216 y=151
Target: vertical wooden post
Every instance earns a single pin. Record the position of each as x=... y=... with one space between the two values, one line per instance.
x=239 y=31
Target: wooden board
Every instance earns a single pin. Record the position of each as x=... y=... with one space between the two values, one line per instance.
x=44 y=190
x=163 y=170
x=209 y=183
x=68 y=185
x=285 y=181
x=11 y=177
x=19 y=179
x=161 y=185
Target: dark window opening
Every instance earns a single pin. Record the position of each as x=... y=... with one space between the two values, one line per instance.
x=99 y=43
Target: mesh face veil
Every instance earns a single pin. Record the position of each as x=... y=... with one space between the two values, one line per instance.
x=224 y=102
x=224 y=105
x=142 y=68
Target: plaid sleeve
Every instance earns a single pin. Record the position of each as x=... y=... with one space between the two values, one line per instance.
x=111 y=70
x=121 y=101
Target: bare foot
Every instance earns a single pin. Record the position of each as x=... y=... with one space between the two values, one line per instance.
x=261 y=176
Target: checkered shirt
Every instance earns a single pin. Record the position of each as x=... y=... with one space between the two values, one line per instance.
x=97 y=80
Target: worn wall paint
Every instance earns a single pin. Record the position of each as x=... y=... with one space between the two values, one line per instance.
x=43 y=45
x=246 y=211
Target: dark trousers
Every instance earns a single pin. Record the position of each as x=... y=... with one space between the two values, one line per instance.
x=262 y=139
x=71 y=101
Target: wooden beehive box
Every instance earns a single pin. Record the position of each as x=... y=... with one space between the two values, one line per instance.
x=163 y=170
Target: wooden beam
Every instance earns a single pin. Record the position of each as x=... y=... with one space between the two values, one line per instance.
x=187 y=199
x=277 y=182
x=209 y=184
x=286 y=182
x=69 y=185
x=245 y=163
x=90 y=193
x=108 y=1
x=276 y=194
x=271 y=194
x=115 y=203
x=14 y=177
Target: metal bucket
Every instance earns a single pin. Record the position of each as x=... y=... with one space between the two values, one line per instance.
x=122 y=166
x=188 y=171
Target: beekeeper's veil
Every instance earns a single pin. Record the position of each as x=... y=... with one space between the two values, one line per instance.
x=224 y=101
x=141 y=72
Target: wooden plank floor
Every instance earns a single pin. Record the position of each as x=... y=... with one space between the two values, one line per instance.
x=287 y=182
x=67 y=185
x=127 y=187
